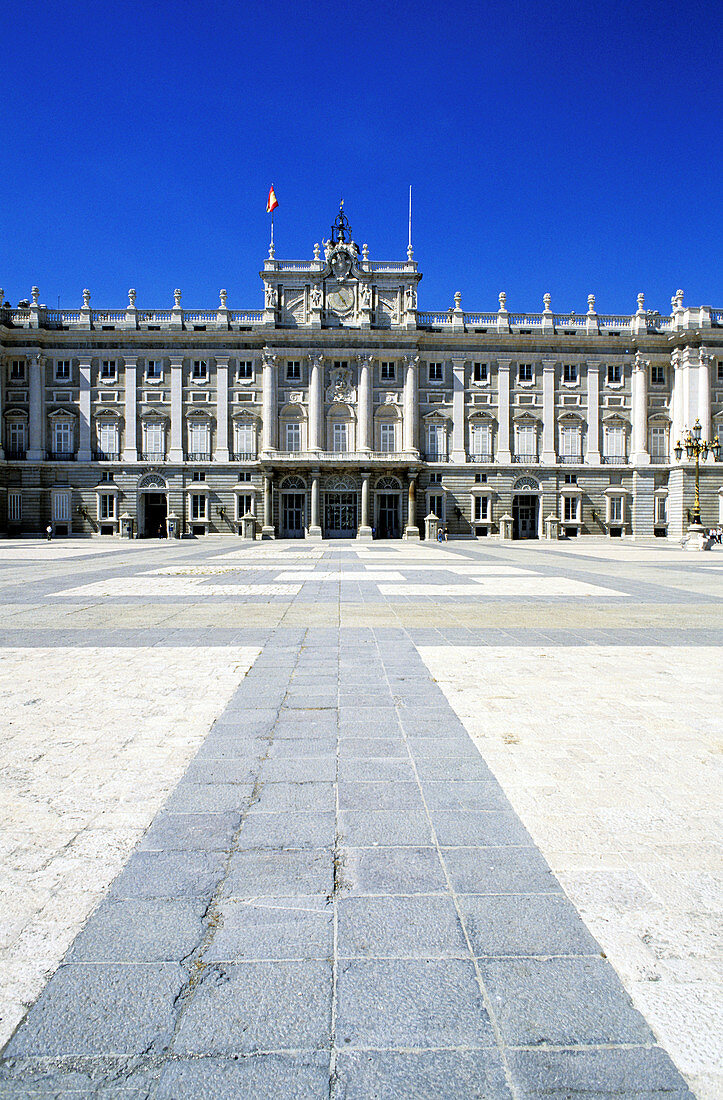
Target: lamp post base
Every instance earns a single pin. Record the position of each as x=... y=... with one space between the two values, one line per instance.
x=697 y=539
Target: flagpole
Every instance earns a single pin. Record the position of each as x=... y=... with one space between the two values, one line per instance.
x=409 y=246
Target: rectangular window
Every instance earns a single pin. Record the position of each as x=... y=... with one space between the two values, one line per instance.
x=107 y=439
x=479 y=372
x=657 y=376
x=524 y=372
x=16 y=438
x=200 y=370
x=387 y=372
x=245 y=439
x=570 y=441
x=616 y=509
x=63 y=438
x=340 y=363
x=527 y=441
x=658 y=442
x=661 y=510
x=107 y=505
x=154 y=368
x=199 y=443
x=62 y=370
x=387 y=437
x=435 y=479
x=108 y=370
x=17 y=370
x=436 y=505
x=198 y=505
x=569 y=373
x=293 y=370
x=340 y=437
x=614 y=442
x=61 y=507
x=569 y=511
x=615 y=374
x=245 y=370
x=436 y=372
x=155 y=438
x=720 y=370
x=436 y=441
x=244 y=504
x=293 y=437
x=198 y=475
x=481 y=508
x=15 y=506
x=482 y=441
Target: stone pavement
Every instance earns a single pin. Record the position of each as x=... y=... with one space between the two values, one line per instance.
x=300 y=758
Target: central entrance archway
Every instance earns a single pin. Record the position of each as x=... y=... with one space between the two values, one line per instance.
x=340 y=515
x=526 y=508
x=388 y=508
x=152 y=506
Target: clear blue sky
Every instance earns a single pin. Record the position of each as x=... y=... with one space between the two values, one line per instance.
x=567 y=147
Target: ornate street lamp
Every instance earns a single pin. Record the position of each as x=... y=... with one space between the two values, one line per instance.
x=695 y=447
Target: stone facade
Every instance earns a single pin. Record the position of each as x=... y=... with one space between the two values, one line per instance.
x=341 y=410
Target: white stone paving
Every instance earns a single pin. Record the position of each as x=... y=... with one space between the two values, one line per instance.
x=92 y=741
x=612 y=758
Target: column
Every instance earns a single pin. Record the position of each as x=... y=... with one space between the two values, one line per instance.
x=678 y=426
x=592 y=451
x=704 y=370
x=175 y=453
x=549 y=458
x=267 y=531
x=130 y=451
x=639 y=433
x=84 y=453
x=459 y=453
x=36 y=419
x=411 y=531
x=221 y=451
x=503 y=411
x=411 y=404
x=689 y=407
x=269 y=402
x=315 y=525
x=364 y=404
x=3 y=368
x=316 y=402
x=365 y=531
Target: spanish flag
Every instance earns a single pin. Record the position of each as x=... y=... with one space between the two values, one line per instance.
x=272 y=201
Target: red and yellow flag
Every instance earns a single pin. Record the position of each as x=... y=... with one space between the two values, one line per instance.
x=272 y=202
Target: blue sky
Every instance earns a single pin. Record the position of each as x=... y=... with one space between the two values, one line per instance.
x=562 y=147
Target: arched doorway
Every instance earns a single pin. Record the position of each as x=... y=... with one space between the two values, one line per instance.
x=293 y=508
x=526 y=508
x=152 y=506
x=388 y=508
x=340 y=509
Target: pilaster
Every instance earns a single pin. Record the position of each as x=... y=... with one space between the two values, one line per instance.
x=316 y=402
x=639 y=443
x=269 y=401
x=592 y=452
x=130 y=451
x=458 y=449
x=548 y=412
x=365 y=403
x=221 y=453
x=36 y=411
x=504 y=454
x=175 y=453
x=411 y=403
x=84 y=452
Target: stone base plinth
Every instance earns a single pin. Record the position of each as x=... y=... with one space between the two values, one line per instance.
x=364 y=534
x=696 y=538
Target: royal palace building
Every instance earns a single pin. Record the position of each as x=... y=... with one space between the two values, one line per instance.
x=340 y=410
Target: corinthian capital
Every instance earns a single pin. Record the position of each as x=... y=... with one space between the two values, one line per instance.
x=316 y=360
x=412 y=360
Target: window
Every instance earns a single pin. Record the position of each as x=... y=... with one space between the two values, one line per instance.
x=569 y=509
x=479 y=478
x=107 y=439
x=435 y=479
x=198 y=475
x=106 y=503
x=659 y=442
x=479 y=373
x=387 y=373
x=570 y=441
x=16 y=439
x=244 y=475
x=614 y=442
x=108 y=370
x=720 y=370
x=481 y=508
x=661 y=510
x=63 y=437
x=61 y=507
x=15 y=506
x=571 y=479
x=198 y=506
x=435 y=372
x=482 y=442
x=200 y=370
x=340 y=363
x=154 y=370
x=244 y=504
x=436 y=505
x=199 y=441
x=245 y=439
x=615 y=374
x=17 y=370
x=245 y=371
x=62 y=370
x=293 y=370
x=387 y=436
x=569 y=374
x=616 y=509
x=436 y=441
x=526 y=442
x=154 y=436
x=293 y=437
x=340 y=437
x=657 y=376
x=107 y=475
x=524 y=373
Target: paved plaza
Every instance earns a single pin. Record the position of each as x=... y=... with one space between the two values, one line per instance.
x=358 y=821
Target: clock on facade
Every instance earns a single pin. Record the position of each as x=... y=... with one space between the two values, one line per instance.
x=340 y=300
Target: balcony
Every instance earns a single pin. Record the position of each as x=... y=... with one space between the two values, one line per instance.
x=341 y=458
x=61 y=456
x=198 y=456
x=659 y=460
x=435 y=456
x=570 y=460
x=244 y=456
x=525 y=459
x=614 y=460
x=481 y=457
x=106 y=456
x=15 y=452
x=153 y=456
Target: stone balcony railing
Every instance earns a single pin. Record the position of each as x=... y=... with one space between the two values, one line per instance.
x=348 y=458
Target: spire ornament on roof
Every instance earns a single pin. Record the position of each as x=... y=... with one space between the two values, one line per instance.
x=341 y=230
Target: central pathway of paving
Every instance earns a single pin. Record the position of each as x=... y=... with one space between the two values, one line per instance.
x=337 y=901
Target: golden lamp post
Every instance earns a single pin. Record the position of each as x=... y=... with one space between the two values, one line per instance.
x=694 y=445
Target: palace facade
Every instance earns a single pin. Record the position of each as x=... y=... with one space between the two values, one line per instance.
x=341 y=410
